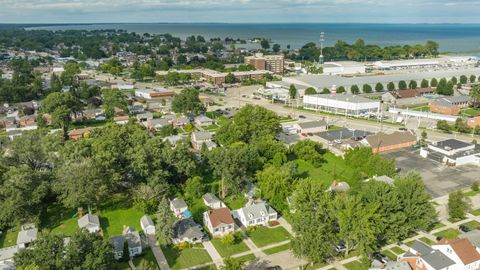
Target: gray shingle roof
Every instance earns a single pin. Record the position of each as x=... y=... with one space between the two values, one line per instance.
x=255 y=211
x=421 y=248
x=88 y=221
x=438 y=260
x=146 y=221
x=117 y=243
x=178 y=203
x=186 y=228
x=133 y=239
x=202 y=135
x=473 y=236
x=27 y=236
x=210 y=198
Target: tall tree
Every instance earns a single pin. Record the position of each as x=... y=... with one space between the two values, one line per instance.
x=354 y=89
x=275 y=184
x=292 y=92
x=61 y=106
x=379 y=87
x=402 y=85
x=424 y=83
x=187 y=101
x=458 y=204
x=113 y=98
x=391 y=86
x=165 y=221
x=310 y=91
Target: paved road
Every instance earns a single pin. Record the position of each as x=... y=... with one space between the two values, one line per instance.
x=212 y=251
x=158 y=253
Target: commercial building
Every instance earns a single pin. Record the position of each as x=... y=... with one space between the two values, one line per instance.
x=344 y=104
x=344 y=68
x=449 y=105
x=452 y=152
x=382 y=142
x=273 y=63
x=154 y=93
x=311 y=127
x=218 y=78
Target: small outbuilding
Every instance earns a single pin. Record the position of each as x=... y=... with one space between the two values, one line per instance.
x=147 y=225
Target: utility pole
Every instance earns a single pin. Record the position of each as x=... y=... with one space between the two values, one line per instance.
x=322 y=39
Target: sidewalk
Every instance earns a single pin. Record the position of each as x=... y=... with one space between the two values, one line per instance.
x=158 y=253
x=212 y=251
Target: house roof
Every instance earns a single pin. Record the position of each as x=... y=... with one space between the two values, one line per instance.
x=133 y=239
x=186 y=228
x=452 y=144
x=343 y=133
x=159 y=122
x=421 y=248
x=408 y=93
x=80 y=131
x=443 y=103
x=202 y=135
x=203 y=118
x=146 y=221
x=210 y=198
x=117 y=243
x=382 y=139
x=437 y=260
x=312 y=124
x=27 y=236
x=220 y=216
x=397 y=266
x=88 y=221
x=255 y=211
x=464 y=250
x=178 y=203
x=473 y=236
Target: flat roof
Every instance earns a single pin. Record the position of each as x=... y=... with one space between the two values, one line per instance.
x=326 y=81
x=345 y=97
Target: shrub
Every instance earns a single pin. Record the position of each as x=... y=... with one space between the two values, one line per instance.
x=250 y=229
x=182 y=245
x=475 y=186
x=228 y=239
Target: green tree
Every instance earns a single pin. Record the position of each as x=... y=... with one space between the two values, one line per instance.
x=433 y=82
x=379 y=87
x=228 y=239
x=463 y=79
x=308 y=150
x=367 y=164
x=232 y=264
x=276 y=48
x=367 y=88
x=147 y=195
x=432 y=47
x=402 y=85
x=473 y=78
x=265 y=44
x=423 y=138
x=188 y=101
x=355 y=90
x=325 y=91
x=412 y=84
x=113 y=98
x=80 y=183
x=391 y=86
x=454 y=80
x=194 y=187
x=146 y=265
x=292 y=92
x=275 y=184
x=458 y=205
x=47 y=252
x=310 y=91
x=230 y=78
x=424 y=83
x=475 y=95
x=55 y=83
x=61 y=106
x=165 y=221
x=340 y=90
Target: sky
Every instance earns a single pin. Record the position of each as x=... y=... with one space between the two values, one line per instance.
x=239 y=11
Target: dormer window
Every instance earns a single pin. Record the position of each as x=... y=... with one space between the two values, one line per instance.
x=250 y=216
x=262 y=213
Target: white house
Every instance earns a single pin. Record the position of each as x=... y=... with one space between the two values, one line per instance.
x=133 y=240
x=255 y=214
x=203 y=120
x=212 y=201
x=147 y=225
x=178 y=206
x=219 y=221
x=89 y=222
x=453 y=152
x=186 y=230
x=462 y=252
x=202 y=137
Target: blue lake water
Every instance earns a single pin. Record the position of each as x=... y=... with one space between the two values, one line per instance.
x=452 y=37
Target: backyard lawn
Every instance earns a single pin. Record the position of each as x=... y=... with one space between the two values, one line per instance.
x=392 y=256
x=472 y=224
x=333 y=166
x=116 y=213
x=355 y=265
x=246 y=258
x=229 y=250
x=146 y=256
x=60 y=220
x=427 y=241
x=188 y=257
x=277 y=249
x=264 y=236
x=397 y=250
x=475 y=212
x=8 y=237
x=449 y=234
x=235 y=203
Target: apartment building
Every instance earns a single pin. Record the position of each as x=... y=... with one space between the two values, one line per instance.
x=273 y=63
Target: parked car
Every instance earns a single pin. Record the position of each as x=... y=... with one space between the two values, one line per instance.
x=276 y=267
x=464 y=228
x=340 y=248
x=403 y=129
x=301 y=116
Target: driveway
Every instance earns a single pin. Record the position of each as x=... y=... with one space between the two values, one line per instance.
x=158 y=253
x=212 y=251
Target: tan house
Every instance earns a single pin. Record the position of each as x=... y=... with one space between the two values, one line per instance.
x=382 y=142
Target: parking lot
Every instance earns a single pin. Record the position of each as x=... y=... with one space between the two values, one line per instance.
x=439 y=179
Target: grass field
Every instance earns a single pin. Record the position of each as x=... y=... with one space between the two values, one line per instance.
x=470 y=112
x=449 y=234
x=438 y=226
x=421 y=108
x=397 y=250
x=118 y=212
x=264 y=236
x=147 y=255
x=229 y=250
x=325 y=173
x=277 y=249
x=392 y=256
x=246 y=258
x=8 y=237
x=180 y=259
x=60 y=220
x=472 y=224
x=472 y=193
x=355 y=265
x=475 y=212
x=427 y=241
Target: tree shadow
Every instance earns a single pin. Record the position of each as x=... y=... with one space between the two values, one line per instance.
x=256 y=264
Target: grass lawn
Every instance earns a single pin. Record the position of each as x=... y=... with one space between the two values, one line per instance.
x=427 y=241
x=188 y=257
x=8 y=237
x=117 y=212
x=277 y=249
x=449 y=234
x=472 y=193
x=235 y=203
x=472 y=224
x=438 y=226
x=454 y=220
x=470 y=112
x=475 y=212
x=264 y=236
x=422 y=108
x=325 y=173
x=60 y=220
x=147 y=255
x=316 y=266
x=392 y=256
x=355 y=265
x=410 y=243
x=246 y=258
x=229 y=250
x=397 y=250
